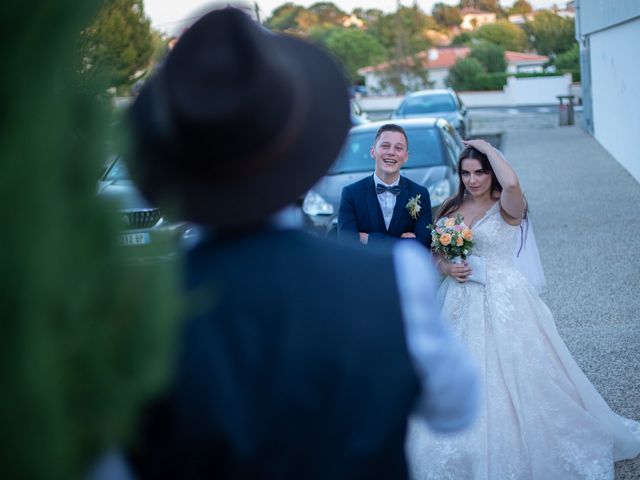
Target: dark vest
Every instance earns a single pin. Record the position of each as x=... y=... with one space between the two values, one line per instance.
x=293 y=365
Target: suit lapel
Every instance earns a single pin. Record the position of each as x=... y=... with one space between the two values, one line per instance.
x=373 y=206
x=401 y=202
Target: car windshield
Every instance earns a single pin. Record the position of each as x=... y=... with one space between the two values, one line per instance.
x=442 y=102
x=117 y=171
x=424 y=151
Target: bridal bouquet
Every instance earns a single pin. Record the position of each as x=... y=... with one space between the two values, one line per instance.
x=451 y=237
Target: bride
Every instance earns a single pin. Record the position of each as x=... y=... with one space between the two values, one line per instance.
x=540 y=418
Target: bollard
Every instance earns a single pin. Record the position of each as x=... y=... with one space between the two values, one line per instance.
x=565 y=110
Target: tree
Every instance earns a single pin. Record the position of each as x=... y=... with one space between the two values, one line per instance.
x=403 y=34
x=484 y=5
x=491 y=56
x=327 y=13
x=465 y=73
x=520 y=7
x=569 y=60
x=356 y=49
x=369 y=16
x=446 y=15
x=463 y=38
x=404 y=31
x=292 y=19
x=320 y=34
x=551 y=33
x=505 y=34
x=118 y=44
x=84 y=337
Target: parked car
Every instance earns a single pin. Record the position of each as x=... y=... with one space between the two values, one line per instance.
x=144 y=227
x=358 y=117
x=443 y=103
x=434 y=146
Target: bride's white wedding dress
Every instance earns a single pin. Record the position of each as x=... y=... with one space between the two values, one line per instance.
x=540 y=417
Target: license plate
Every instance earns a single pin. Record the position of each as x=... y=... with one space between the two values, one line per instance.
x=134 y=239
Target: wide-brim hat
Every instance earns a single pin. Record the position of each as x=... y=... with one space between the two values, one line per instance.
x=237 y=123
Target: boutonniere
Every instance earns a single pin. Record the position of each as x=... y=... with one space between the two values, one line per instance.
x=413 y=205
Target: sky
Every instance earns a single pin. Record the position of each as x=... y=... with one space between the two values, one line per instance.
x=171 y=16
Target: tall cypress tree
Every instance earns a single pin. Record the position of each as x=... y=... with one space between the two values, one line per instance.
x=83 y=338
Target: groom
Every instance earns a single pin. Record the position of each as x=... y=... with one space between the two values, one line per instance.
x=379 y=209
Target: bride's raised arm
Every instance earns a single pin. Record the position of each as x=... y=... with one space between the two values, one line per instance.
x=511 y=198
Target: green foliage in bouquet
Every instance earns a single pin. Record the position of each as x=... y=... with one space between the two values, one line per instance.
x=84 y=339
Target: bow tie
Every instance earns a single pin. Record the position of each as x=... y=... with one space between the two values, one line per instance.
x=383 y=188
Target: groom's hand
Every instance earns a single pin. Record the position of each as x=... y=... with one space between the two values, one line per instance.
x=364 y=238
x=408 y=235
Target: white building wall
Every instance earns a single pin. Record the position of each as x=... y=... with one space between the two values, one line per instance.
x=615 y=89
x=536 y=90
x=438 y=76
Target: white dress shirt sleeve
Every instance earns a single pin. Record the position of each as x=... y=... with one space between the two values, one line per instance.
x=448 y=380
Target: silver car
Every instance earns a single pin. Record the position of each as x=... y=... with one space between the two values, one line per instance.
x=434 y=146
x=145 y=229
x=443 y=103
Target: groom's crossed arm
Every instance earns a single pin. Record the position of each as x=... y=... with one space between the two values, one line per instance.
x=418 y=228
x=347 y=223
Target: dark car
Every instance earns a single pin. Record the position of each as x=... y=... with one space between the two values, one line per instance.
x=434 y=146
x=443 y=103
x=144 y=227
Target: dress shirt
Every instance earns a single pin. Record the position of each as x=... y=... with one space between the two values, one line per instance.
x=387 y=200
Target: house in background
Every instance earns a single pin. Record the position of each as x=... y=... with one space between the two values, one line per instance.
x=438 y=62
x=472 y=18
x=569 y=10
x=608 y=34
x=352 y=21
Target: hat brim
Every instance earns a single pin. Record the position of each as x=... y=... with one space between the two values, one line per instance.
x=242 y=202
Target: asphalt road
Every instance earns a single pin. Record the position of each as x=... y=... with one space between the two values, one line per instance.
x=584 y=210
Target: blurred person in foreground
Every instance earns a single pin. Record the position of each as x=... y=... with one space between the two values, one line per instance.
x=299 y=358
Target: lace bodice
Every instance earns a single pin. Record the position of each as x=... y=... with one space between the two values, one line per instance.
x=494 y=239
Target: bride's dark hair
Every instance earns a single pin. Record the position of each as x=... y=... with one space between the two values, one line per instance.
x=453 y=204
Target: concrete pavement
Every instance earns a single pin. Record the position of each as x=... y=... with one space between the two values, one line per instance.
x=584 y=207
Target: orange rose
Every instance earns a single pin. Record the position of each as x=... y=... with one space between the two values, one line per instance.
x=459 y=241
x=449 y=222
x=467 y=234
x=445 y=239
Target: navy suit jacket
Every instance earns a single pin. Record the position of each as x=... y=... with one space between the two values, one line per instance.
x=360 y=212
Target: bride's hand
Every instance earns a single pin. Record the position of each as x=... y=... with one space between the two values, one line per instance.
x=481 y=145
x=459 y=271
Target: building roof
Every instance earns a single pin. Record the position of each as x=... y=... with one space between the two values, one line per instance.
x=516 y=58
x=447 y=57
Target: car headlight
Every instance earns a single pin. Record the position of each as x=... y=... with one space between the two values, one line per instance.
x=190 y=237
x=439 y=192
x=314 y=204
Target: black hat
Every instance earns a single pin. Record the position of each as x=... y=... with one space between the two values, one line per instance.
x=238 y=122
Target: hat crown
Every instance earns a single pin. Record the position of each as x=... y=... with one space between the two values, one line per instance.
x=224 y=83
